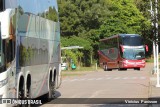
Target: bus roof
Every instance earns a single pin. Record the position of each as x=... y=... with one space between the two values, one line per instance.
x=118 y=35
x=122 y=35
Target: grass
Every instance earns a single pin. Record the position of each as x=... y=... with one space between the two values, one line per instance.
x=82 y=69
x=79 y=71
x=150 y=59
x=71 y=74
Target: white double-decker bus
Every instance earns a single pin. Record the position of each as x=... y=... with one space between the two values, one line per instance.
x=30 y=57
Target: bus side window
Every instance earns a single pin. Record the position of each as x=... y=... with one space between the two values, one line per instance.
x=2 y=5
x=120 y=41
x=111 y=51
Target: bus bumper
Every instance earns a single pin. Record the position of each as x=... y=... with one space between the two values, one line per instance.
x=133 y=64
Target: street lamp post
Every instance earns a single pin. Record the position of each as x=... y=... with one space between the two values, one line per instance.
x=156 y=43
x=154 y=50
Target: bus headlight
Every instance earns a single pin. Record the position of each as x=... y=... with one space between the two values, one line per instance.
x=126 y=61
x=3 y=82
x=143 y=61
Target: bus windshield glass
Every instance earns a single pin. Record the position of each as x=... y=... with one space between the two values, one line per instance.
x=132 y=41
x=134 y=54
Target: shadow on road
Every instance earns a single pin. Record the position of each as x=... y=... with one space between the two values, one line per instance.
x=120 y=105
x=44 y=99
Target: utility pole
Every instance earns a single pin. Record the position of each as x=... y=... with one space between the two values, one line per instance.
x=154 y=50
x=154 y=17
x=156 y=43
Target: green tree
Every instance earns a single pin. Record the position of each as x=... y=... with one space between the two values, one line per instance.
x=52 y=14
x=84 y=22
x=77 y=41
x=126 y=18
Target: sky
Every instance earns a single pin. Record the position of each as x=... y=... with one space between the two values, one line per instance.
x=35 y=7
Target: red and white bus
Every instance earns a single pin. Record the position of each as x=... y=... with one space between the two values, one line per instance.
x=122 y=51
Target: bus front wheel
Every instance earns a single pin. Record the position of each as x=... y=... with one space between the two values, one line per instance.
x=138 y=69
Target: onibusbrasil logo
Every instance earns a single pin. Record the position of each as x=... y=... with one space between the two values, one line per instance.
x=18 y=102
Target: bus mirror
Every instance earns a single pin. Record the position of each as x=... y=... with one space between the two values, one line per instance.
x=122 y=48
x=146 y=47
x=5 y=19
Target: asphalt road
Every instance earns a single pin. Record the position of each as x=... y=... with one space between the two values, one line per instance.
x=95 y=89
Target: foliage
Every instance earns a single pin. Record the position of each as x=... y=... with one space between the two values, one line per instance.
x=52 y=14
x=70 y=55
x=84 y=22
x=76 y=54
x=76 y=41
x=126 y=19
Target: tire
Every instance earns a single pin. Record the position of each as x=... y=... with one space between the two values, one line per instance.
x=106 y=68
x=119 y=69
x=122 y=69
x=51 y=89
x=125 y=69
x=28 y=96
x=138 y=69
x=21 y=96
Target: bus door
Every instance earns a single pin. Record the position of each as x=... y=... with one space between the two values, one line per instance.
x=10 y=64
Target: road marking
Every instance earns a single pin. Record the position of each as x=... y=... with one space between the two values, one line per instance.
x=142 y=77
x=125 y=78
x=108 y=78
x=74 y=80
x=64 y=80
x=134 y=78
x=116 y=78
x=83 y=79
x=91 y=79
x=99 y=78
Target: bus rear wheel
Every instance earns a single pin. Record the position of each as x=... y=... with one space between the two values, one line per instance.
x=28 y=96
x=51 y=89
x=106 y=68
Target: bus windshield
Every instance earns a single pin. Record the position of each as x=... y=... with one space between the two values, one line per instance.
x=134 y=54
x=132 y=40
